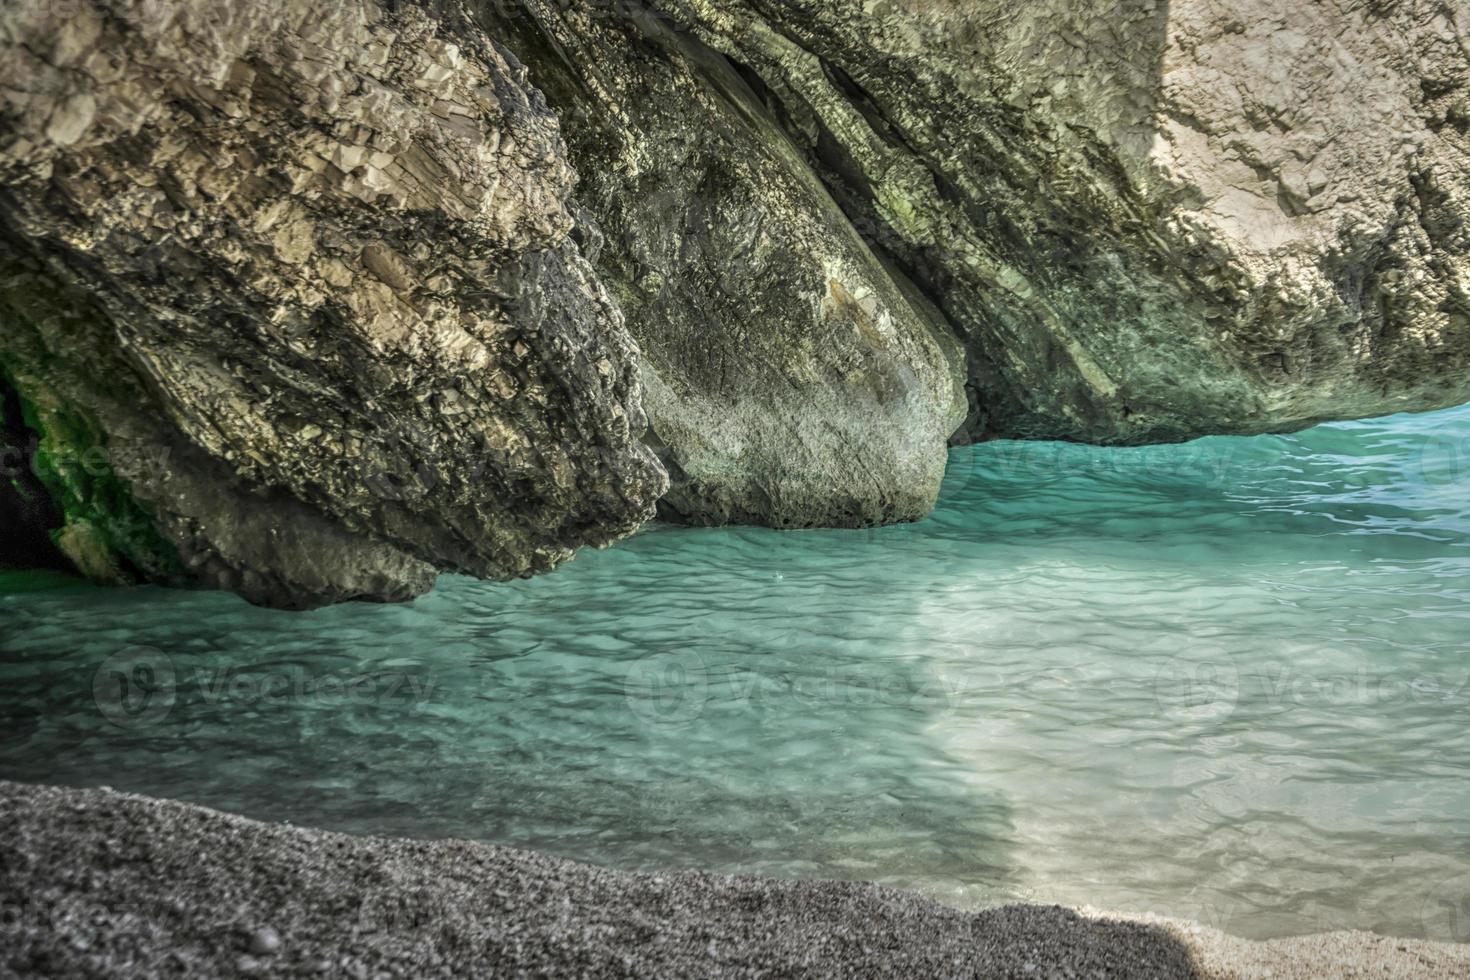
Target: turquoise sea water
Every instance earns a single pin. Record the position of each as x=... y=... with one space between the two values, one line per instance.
x=1228 y=680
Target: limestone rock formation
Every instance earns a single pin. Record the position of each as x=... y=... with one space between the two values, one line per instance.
x=792 y=378
x=303 y=279
x=1147 y=219
x=320 y=285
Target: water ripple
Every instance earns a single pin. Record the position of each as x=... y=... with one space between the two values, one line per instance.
x=1226 y=680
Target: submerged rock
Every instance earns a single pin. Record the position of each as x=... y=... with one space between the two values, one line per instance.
x=306 y=277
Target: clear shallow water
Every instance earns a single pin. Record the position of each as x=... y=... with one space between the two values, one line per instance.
x=1228 y=680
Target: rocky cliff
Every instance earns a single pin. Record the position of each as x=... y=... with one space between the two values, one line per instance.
x=1145 y=220
x=793 y=377
x=319 y=294
x=306 y=284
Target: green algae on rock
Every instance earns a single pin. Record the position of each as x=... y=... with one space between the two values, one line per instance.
x=61 y=467
x=28 y=514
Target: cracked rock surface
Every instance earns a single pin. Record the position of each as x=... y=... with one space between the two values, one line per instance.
x=1146 y=220
x=307 y=277
x=792 y=377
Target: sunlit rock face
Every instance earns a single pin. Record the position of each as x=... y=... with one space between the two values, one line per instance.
x=1145 y=220
x=306 y=276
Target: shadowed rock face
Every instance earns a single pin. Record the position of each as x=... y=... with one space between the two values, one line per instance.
x=1146 y=220
x=307 y=278
x=792 y=378
x=315 y=285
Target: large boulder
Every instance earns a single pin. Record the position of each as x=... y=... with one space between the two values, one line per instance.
x=1147 y=220
x=793 y=378
x=302 y=282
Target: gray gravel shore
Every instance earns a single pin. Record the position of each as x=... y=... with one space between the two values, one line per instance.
x=97 y=883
